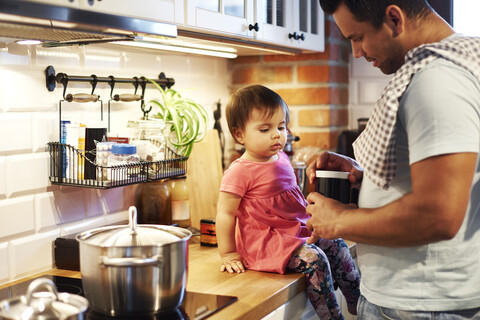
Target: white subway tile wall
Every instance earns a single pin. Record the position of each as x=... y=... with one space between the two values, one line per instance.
x=33 y=212
x=2 y=177
x=365 y=86
x=4 y=258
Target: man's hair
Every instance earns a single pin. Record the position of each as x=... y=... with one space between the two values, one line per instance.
x=245 y=100
x=373 y=11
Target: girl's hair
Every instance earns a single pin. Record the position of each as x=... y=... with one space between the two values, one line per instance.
x=373 y=11
x=245 y=100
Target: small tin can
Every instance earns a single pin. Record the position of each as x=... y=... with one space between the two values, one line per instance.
x=208 y=233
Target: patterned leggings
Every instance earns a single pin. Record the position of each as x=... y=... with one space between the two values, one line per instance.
x=324 y=263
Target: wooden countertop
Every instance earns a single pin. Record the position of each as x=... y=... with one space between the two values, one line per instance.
x=259 y=293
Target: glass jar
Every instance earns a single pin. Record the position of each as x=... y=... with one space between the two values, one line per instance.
x=180 y=202
x=148 y=136
x=154 y=203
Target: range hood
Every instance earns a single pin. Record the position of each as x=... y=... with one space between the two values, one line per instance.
x=61 y=26
x=57 y=25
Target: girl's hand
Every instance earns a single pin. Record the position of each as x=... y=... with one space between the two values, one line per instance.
x=232 y=262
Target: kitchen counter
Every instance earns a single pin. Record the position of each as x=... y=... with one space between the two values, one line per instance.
x=259 y=293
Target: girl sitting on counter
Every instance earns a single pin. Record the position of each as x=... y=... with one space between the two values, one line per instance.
x=261 y=217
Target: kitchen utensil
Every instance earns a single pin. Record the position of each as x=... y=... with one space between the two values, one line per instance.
x=45 y=305
x=134 y=269
x=333 y=184
x=300 y=169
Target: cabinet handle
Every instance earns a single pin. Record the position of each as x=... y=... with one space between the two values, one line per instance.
x=254 y=27
x=293 y=35
x=301 y=37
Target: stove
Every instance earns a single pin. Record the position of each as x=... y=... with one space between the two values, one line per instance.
x=195 y=305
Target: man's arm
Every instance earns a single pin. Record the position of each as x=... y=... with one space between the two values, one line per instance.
x=433 y=211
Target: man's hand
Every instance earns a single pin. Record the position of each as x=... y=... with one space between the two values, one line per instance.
x=336 y=162
x=325 y=216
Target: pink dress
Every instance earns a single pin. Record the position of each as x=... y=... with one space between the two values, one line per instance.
x=271 y=217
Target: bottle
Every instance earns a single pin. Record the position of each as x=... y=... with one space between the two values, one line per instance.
x=122 y=153
x=180 y=203
x=81 y=149
x=103 y=151
x=154 y=202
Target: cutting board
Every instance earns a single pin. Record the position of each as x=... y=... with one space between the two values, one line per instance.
x=204 y=175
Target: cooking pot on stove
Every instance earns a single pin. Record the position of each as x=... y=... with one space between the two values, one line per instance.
x=48 y=304
x=134 y=269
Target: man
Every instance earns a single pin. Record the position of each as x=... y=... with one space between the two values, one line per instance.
x=417 y=225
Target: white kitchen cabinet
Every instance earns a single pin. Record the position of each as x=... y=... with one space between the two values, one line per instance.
x=170 y=11
x=63 y=3
x=299 y=308
x=224 y=17
x=293 y=23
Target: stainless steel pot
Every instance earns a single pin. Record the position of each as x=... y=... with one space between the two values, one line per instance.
x=45 y=305
x=134 y=269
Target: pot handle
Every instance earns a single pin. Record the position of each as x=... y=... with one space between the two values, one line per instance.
x=132 y=262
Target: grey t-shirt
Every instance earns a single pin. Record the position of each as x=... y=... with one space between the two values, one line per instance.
x=438 y=114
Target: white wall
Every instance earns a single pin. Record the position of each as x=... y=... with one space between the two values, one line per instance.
x=32 y=211
x=366 y=84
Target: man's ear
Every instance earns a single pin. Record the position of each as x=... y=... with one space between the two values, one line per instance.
x=238 y=135
x=395 y=19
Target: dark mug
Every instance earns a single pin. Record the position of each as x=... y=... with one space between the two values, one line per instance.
x=334 y=185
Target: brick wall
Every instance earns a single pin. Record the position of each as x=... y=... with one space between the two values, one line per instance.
x=314 y=85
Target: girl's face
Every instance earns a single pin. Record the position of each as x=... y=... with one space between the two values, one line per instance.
x=263 y=136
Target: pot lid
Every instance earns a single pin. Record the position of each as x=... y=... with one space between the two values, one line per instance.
x=134 y=235
x=45 y=305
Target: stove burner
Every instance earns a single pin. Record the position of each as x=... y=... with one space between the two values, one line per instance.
x=63 y=287
x=195 y=305
x=177 y=314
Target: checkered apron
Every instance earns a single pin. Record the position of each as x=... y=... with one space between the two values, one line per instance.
x=375 y=148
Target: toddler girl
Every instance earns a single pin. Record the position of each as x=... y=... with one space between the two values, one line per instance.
x=261 y=211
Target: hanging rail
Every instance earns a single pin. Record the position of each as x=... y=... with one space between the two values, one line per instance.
x=52 y=79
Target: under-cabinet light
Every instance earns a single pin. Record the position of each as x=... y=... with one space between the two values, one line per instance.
x=28 y=42
x=189 y=43
x=176 y=48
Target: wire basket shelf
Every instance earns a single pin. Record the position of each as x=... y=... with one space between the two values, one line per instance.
x=71 y=167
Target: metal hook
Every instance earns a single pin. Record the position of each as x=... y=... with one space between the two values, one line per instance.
x=135 y=84
x=112 y=85
x=94 y=82
x=64 y=81
x=143 y=84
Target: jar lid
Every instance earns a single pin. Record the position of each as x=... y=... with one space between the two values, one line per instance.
x=124 y=148
x=332 y=174
x=146 y=124
x=45 y=305
x=134 y=235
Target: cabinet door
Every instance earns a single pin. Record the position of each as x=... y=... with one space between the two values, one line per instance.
x=276 y=21
x=170 y=11
x=226 y=17
x=309 y=25
x=293 y=23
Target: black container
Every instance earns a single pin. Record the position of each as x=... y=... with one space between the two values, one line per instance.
x=334 y=185
x=66 y=253
x=93 y=135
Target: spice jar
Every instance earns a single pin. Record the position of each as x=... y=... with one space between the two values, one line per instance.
x=154 y=203
x=180 y=203
x=122 y=154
